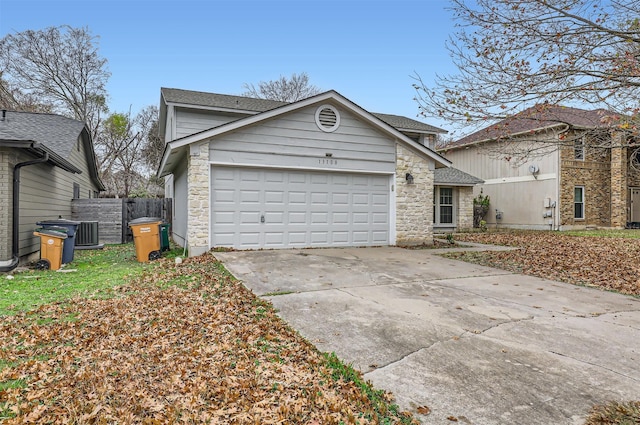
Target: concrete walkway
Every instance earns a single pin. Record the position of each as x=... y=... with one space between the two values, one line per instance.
x=478 y=344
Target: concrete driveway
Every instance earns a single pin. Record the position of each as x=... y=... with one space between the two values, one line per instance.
x=479 y=344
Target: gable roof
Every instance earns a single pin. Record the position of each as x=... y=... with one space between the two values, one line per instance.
x=454 y=177
x=535 y=119
x=248 y=104
x=50 y=133
x=173 y=148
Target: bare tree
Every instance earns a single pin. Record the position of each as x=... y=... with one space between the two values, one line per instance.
x=515 y=54
x=60 y=66
x=121 y=151
x=12 y=98
x=296 y=87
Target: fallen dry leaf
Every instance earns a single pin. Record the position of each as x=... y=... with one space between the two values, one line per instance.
x=207 y=351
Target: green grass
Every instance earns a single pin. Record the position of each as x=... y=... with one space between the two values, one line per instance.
x=91 y=274
x=606 y=233
x=384 y=411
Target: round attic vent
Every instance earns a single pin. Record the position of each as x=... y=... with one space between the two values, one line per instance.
x=327 y=118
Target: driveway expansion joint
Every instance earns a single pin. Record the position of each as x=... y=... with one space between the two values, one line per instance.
x=557 y=353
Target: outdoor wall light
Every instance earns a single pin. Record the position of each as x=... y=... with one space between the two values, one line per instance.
x=409 y=178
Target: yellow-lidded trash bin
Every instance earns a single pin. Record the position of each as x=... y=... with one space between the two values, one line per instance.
x=51 y=243
x=146 y=238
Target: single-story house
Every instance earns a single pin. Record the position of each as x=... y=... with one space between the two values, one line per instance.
x=250 y=173
x=553 y=167
x=46 y=160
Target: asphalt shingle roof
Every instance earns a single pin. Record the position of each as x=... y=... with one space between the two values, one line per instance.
x=534 y=118
x=261 y=105
x=59 y=134
x=453 y=176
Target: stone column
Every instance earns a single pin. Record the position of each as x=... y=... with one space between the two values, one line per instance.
x=414 y=202
x=198 y=174
x=619 y=187
x=465 y=208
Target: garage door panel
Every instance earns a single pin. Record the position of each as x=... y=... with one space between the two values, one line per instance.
x=298 y=238
x=320 y=238
x=340 y=199
x=381 y=238
x=340 y=218
x=274 y=197
x=297 y=218
x=361 y=237
x=276 y=239
x=254 y=208
x=274 y=217
x=379 y=218
x=221 y=195
x=298 y=198
x=340 y=238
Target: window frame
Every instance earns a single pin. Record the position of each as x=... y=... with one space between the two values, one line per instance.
x=579 y=149
x=438 y=205
x=580 y=203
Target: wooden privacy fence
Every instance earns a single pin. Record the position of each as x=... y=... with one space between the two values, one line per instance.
x=114 y=215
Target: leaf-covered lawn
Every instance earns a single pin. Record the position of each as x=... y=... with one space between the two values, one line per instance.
x=611 y=263
x=181 y=344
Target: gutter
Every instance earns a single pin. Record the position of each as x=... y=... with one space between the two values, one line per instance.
x=15 y=240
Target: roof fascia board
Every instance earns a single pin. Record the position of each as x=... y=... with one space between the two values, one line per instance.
x=323 y=97
x=54 y=158
x=213 y=108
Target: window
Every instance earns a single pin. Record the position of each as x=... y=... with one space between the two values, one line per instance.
x=578 y=202
x=578 y=149
x=76 y=191
x=445 y=205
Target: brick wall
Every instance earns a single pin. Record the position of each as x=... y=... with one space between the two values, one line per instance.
x=414 y=202
x=198 y=171
x=6 y=212
x=594 y=173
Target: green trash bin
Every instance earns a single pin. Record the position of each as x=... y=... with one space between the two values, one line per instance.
x=164 y=236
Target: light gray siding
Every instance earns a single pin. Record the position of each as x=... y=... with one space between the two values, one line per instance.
x=46 y=192
x=294 y=140
x=180 y=202
x=483 y=163
x=512 y=188
x=189 y=121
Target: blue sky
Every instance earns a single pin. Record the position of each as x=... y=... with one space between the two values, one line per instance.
x=366 y=50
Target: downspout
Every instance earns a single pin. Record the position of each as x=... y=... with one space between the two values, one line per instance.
x=16 y=211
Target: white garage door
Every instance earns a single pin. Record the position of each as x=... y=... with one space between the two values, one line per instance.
x=259 y=208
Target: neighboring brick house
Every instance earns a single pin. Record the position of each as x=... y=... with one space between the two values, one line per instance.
x=553 y=167
x=320 y=172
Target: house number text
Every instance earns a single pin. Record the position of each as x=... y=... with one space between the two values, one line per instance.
x=328 y=161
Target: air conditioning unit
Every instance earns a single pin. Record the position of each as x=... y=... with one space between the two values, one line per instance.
x=87 y=234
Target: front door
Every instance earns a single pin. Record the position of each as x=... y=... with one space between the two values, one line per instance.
x=635 y=204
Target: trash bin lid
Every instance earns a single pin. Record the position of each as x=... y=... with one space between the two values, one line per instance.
x=145 y=220
x=60 y=229
x=58 y=222
x=54 y=233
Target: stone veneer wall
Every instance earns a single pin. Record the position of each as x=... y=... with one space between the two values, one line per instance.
x=465 y=208
x=6 y=212
x=198 y=174
x=619 y=187
x=414 y=202
x=594 y=173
